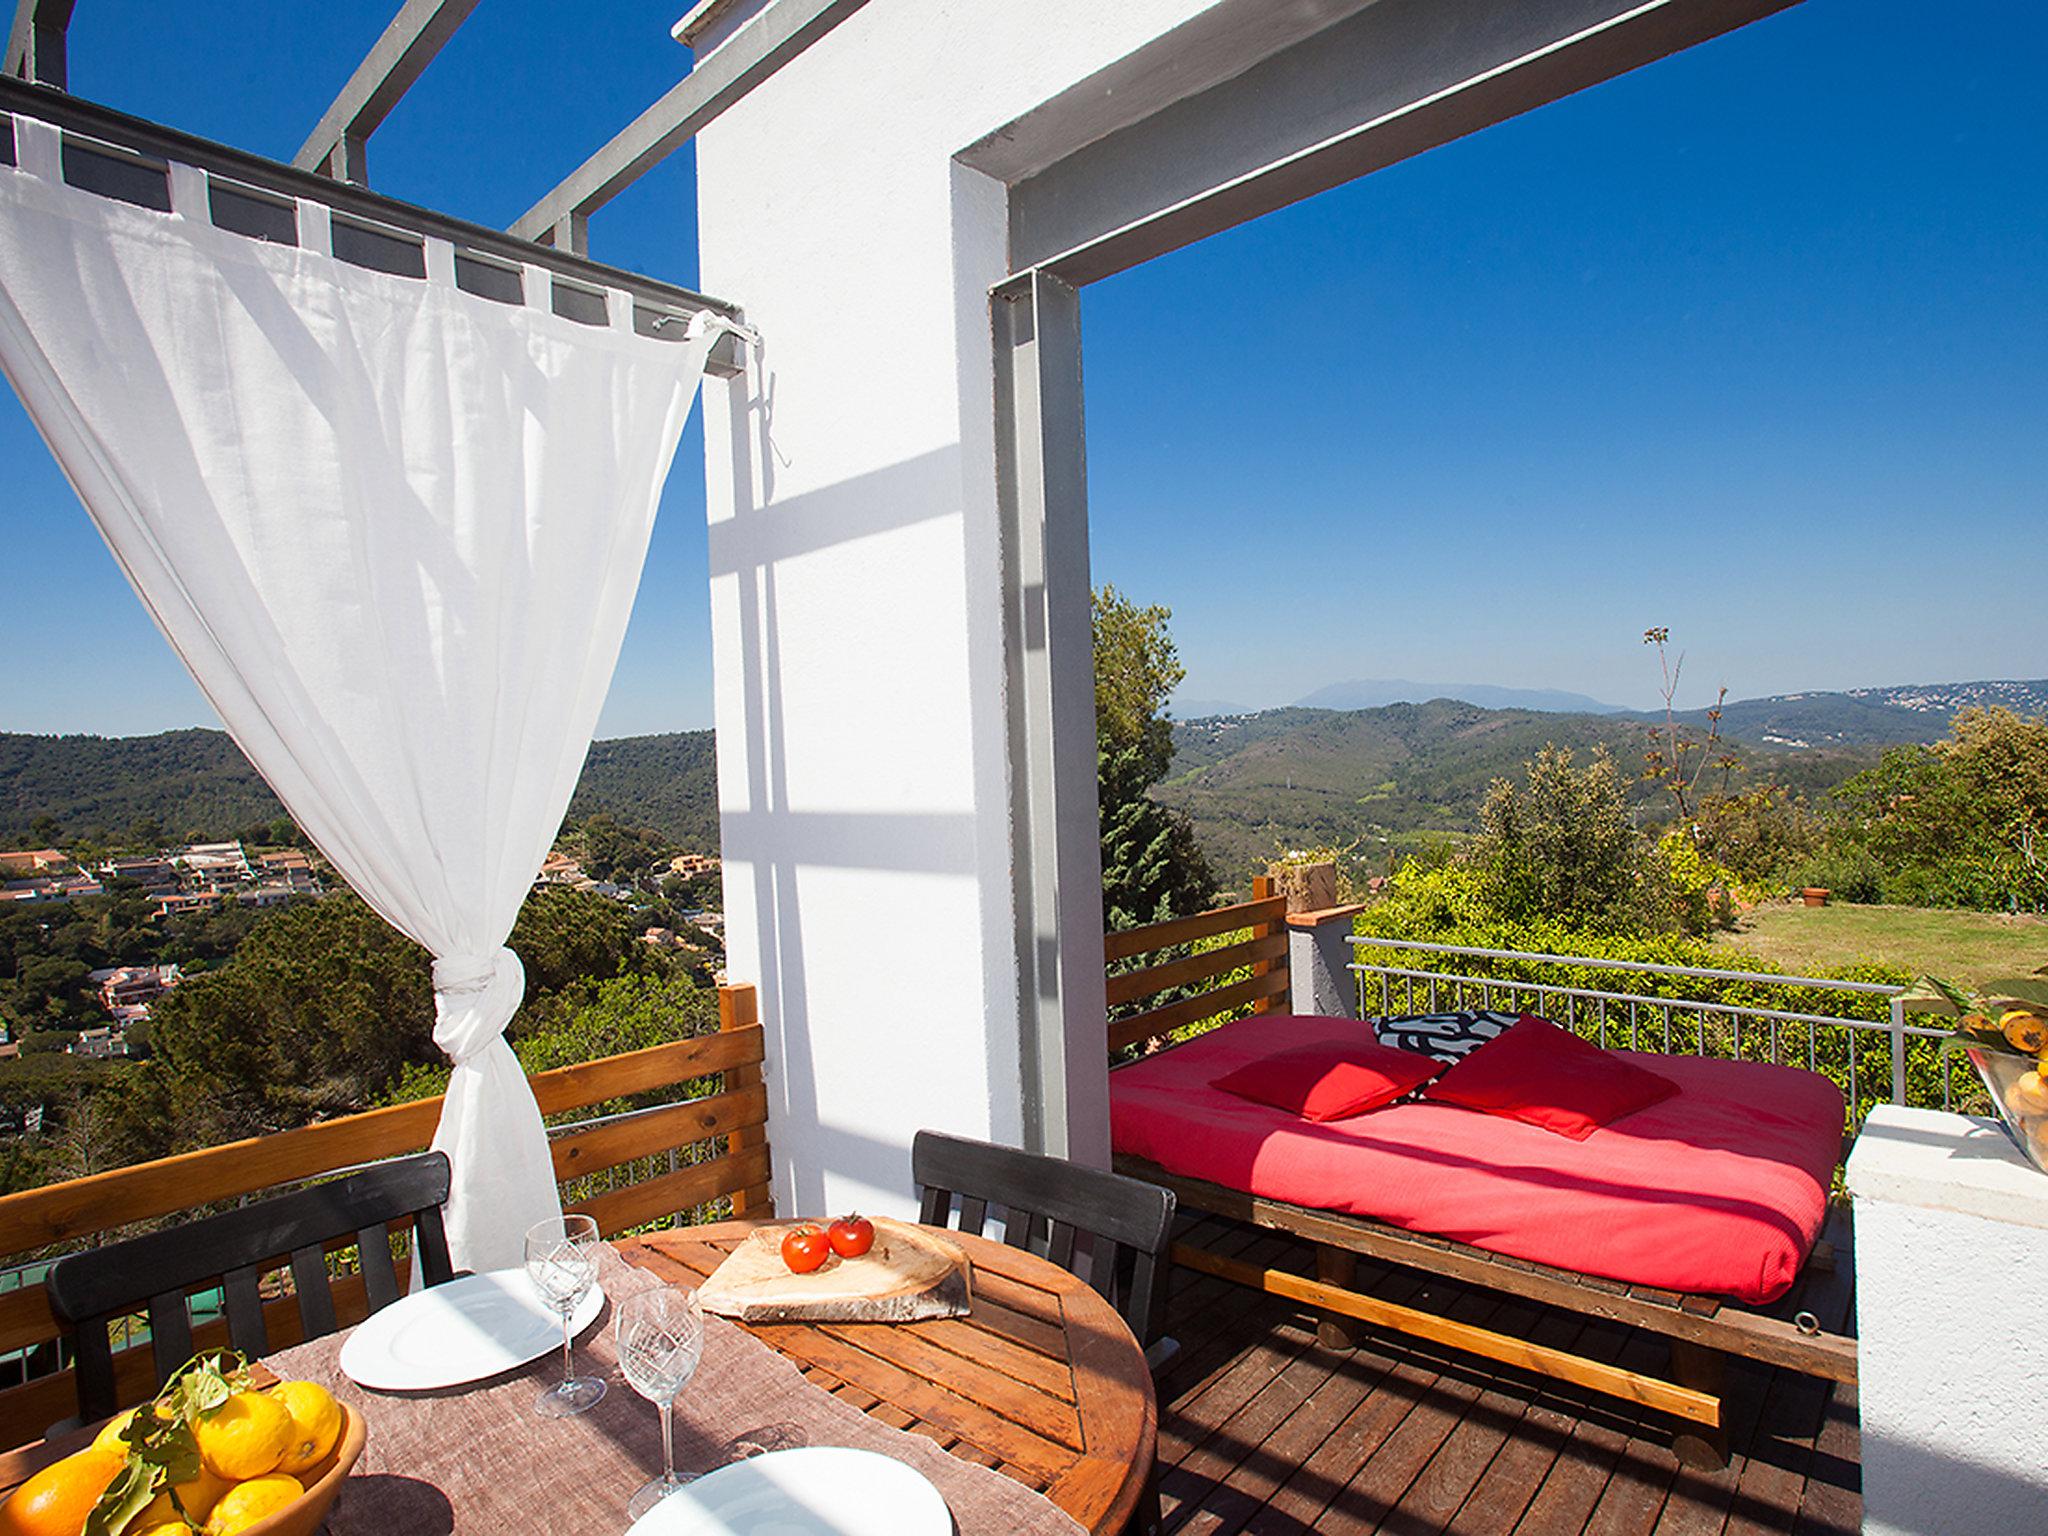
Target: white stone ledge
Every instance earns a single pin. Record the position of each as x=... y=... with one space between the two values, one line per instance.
x=1937 y=1161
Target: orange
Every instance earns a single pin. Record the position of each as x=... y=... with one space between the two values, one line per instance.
x=316 y=1424
x=244 y=1437
x=57 y=1499
x=170 y=1527
x=246 y=1503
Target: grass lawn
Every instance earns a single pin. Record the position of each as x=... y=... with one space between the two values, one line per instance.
x=1962 y=946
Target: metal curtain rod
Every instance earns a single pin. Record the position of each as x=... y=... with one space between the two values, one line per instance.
x=152 y=141
x=339 y=146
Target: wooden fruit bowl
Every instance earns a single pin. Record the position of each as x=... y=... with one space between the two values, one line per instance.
x=303 y=1516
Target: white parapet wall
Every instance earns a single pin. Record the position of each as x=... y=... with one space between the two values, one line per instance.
x=1951 y=1257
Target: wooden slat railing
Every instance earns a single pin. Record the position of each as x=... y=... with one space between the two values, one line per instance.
x=1263 y=952
x=62 y=1216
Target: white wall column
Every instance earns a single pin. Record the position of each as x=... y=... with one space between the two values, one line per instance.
x=1951 y=1245
x=1319 y=977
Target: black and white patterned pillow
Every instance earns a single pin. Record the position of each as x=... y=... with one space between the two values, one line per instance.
x=1449 y=1037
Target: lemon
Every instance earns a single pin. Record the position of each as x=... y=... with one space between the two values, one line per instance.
x=109 y=1439
x=316 y=1424
x=246 y=1503
x=197 y=1498
x=244 y=1437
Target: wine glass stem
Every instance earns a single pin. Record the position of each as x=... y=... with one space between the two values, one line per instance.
x=668 y=1442
x=568 y=1364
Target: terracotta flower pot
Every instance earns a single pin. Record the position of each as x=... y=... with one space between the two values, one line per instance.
x=1815 y=895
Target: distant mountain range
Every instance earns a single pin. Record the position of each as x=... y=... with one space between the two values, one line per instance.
x=1254 y=781
x=1870 y=716
x=1369 y=693
x=1258 y=782
x=1377 y=693
x=1395 y=777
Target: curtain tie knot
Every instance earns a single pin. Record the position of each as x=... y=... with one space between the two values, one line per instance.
x=475 y=997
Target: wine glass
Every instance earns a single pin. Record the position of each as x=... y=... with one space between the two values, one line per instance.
x=561 y=1261
x=660 y=1336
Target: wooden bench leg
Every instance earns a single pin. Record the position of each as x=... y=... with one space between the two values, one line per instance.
x=1704 y=1370
x=1339 y=1267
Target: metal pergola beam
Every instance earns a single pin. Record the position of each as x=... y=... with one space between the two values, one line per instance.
x=35 y=42
x=1386 y=81
x=153 y=142
x=337 y=147
x=781 y=32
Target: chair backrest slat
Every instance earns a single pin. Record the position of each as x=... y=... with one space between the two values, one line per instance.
x=430 y=1242
x=380 y=1273
x=1059 y=1246
x=973 y=1215
x=88 y=1291
x=242 y=1290
x=170 y=1331
x=1050 y=1205
x=315 y=1291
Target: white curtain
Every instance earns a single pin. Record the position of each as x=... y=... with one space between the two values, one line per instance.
x=394 y=529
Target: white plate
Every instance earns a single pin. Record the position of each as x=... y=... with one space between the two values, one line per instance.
x=824 y=1490
x=459 y=1332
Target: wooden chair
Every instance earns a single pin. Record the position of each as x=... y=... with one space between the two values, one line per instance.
x=1049 y=1207
x=88 y=1291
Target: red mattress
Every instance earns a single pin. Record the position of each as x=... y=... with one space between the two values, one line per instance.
x=1719 y=1189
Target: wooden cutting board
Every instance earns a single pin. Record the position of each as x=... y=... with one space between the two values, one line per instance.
x=910 y=1274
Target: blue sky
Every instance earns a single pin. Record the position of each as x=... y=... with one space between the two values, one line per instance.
x=1752 y=343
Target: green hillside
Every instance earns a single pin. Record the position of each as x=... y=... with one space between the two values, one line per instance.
x=1389 y=778
x=196 y=785
x=189 y=784
x=667 y=783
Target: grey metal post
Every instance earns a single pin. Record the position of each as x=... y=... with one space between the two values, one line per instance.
x=1318 y=961
x=1048 y=644
x=1898 y=1050
x=36 y=43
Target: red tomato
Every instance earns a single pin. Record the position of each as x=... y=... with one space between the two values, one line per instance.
x=851 y=1236
x=804 y=1249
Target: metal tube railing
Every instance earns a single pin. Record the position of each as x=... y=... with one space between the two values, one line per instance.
x=1569 y=999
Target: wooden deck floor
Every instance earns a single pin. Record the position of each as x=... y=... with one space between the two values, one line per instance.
x=1263 y=1430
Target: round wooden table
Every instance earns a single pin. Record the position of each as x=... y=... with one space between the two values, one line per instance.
x=1041 y=1381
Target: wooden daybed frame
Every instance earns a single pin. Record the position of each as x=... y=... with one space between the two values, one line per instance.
x=1704 y=1331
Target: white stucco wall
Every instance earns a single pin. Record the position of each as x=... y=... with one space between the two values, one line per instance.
x=855 y=575
x=1951 y=1242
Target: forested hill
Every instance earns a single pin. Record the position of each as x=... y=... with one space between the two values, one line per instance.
x=197 y=785
x=181 y=783
x=666 y=783
x=1288 y=778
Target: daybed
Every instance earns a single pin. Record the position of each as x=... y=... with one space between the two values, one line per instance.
x=1696 y=1218
x=1720 y=1189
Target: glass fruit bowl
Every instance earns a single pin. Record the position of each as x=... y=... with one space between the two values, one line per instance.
x=2020 y=1095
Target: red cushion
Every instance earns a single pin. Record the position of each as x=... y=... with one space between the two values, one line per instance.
x=1330 y=1079
x=1549 y=1077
